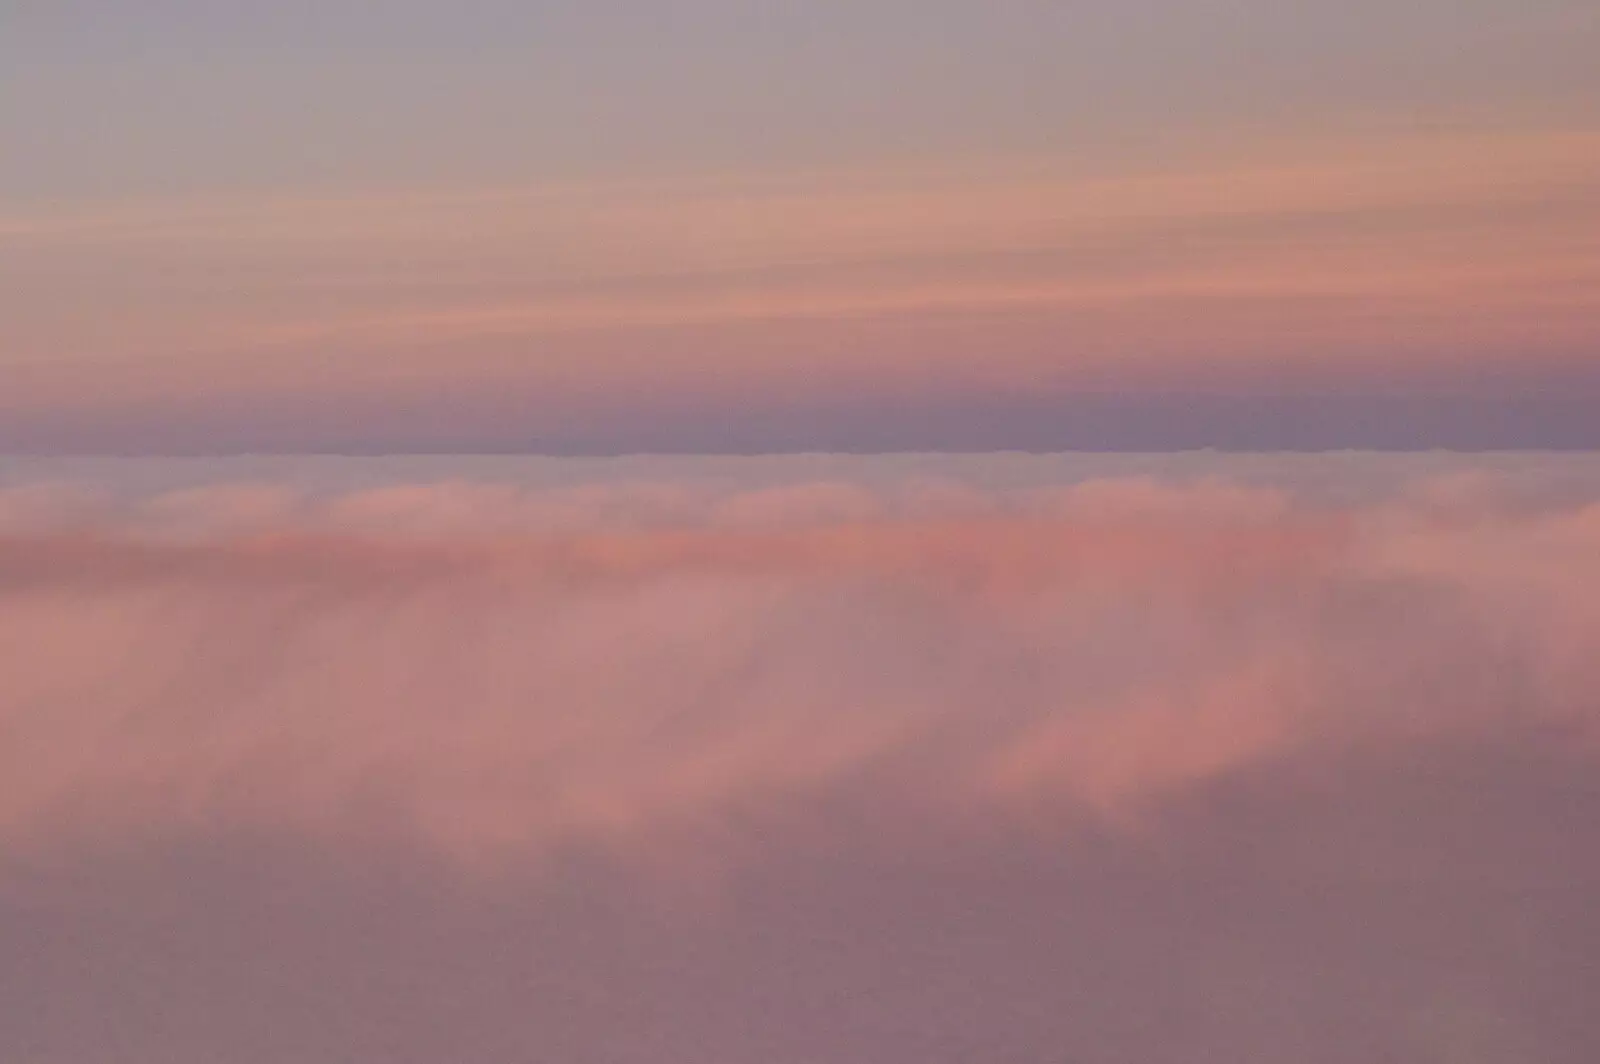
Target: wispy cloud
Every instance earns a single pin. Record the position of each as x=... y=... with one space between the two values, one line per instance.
x=1370 y=260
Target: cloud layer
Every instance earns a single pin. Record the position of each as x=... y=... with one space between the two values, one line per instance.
x=813 y=759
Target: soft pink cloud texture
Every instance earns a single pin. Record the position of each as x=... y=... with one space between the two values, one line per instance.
x=508 y=665
x=1271 y=759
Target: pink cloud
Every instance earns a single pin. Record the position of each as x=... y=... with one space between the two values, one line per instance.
x=732 y=761
x=505 y=679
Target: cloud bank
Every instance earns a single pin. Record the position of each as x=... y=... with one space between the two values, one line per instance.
x=796 y=760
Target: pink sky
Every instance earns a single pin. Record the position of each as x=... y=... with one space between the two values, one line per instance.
x=864 y=227
x=845 y=532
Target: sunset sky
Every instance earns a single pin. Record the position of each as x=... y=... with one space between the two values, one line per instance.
x=880 y=225
x=824 y=532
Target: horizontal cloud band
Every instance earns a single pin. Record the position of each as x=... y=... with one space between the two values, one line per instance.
x=907 y=759
x=492 y=668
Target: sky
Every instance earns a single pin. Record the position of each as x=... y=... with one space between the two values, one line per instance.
x=873 y=532
x=912 y=759
x=728 y=227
